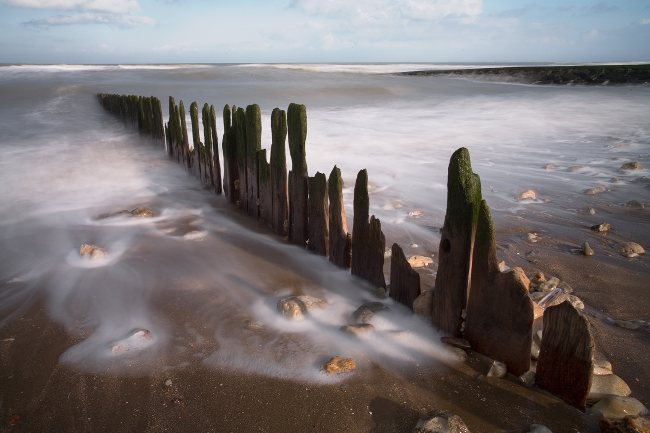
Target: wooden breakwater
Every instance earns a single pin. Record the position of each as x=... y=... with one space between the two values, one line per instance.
x=472 y=297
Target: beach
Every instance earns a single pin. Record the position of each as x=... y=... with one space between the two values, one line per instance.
x=221 y=358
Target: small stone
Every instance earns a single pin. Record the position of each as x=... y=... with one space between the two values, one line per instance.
x=361 y=328
x=92 y=252
x=575 y=168
x=296 y=307
x=193 y=235
x=538 y=428
x=537 y=311
x=423 y=304
x=547 y=200
x=548 y=286
x=586 y=211
x=415 y=213
x=615 y=180
x=631 y=255
x=168 y=382
x=528 y=378
x=251 y=324
x=602 y=227
x=630 y=247
x=634 y=203
x=565 y=287
x=142 y=212
x=586 y=249
x=528 y=194
x=595 y=191
x=393 y=205
x=439 y=422
x=548 y=166
x=461 y=343
x=530 y=237
x=626 y=324
x=607 y=384
x=536 y=345
x=380 y=293
x=419 y=261
x=539 y=278
x=458 y=353
x=630 y=166
x=602 y=367
x=637 y=424
x=616 y=407
x=338 y=365
x=502 y=266
x=497 y=369
x=413 y=245
x=132 y=342
x=364 y=313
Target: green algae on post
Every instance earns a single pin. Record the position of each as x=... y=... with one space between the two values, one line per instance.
x=298 y=188
x=340 y=241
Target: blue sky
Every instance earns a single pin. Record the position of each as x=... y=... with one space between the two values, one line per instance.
x=279 y=31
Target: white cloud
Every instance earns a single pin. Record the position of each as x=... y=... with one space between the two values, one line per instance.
x=645 y=21
x=106 y=6
x=115 y=20
x=106 y=48
x=590 y=35
x=331 y=42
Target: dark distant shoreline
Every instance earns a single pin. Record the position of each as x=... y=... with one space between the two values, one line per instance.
x=584 y=75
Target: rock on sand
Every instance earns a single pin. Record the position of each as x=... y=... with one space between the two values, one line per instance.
x=440 y=422
x=296 y=307
x=338 y=365
x=92 y=252
x=630 y=166
x=528 y=194
x=630 y=247
x=617 y=407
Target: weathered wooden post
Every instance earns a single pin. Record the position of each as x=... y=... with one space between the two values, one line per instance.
x=173 y=128
x=196 y=137
x=368 y=241
x=182 y=139
x=499 y=321
x=265 y=199
x=318 y=215
x=240 y=138
x=340 y=241
x=404 y=280
x=215 y=152
x=453 y=280
x=208 y=172
x=298 y=187
x=279 y=192
x=229 y=146
x=566 y=356
x=253 y=145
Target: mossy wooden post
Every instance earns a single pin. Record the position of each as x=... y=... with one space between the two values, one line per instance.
x=265 y=191
x=404 y=280
x=340 y=241
x=182 y=139
x=279 y=186
x=318 y=215
x=228 y=143
x=453 y=280
x=173 y=126
x=208 y=172
x=298 y=188
x=160 y=123
x=216 y=165
x=196 y=137
x=253 y=145
x=499 y=321
x=565 y=363
x=240 y=137
x=368 y=241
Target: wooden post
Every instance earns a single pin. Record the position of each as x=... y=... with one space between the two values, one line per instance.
x=182 y=139
x=265 y=196
x=404 y=280
x=196 y=137
x=208 y=172
x=173 y=127
x=499 y=321
x=298 y=188
x=229 y=146
x=565 y=362
x=280 y=200
x=215 y=152
x=368 y=241
x=453 y=280
x=340 y=241
x=240 y=137
x=318 y=215
x=253 y=145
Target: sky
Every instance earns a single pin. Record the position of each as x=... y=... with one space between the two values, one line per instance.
x=314 y=31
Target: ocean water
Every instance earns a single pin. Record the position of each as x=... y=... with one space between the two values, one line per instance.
x=64 y=161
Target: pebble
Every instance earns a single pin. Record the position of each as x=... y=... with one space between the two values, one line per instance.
x=548 y=166
x=595 y=191
x=168 y=382
x=295 y=308
x=530 y=237
x=497 y=369
x=586 y=249
x=575 y=168
x=586 y=211
x=615 y=180
x=605 y=385
x=415 y=213
x=360 y=328
x=528 y=378
x=630 y=247
x=142 y=212
x=536 y=345
x=364 y=313
x=617 y=407
x=419 y=261
x=602 y=227
x=413 y=245
x=193 y=235
x=629 y=424
x=538 y=428
x=548 y=286
x=380 y=293
x=528 y=194
x=92 y=252
x=458 y=353
x=423 y=304
x=538 y=278
x=634 y=203
x=393 y=205
x=602 y=367
x=439 y=422
x=133 y=342
x=631 y=166
x=338 y=365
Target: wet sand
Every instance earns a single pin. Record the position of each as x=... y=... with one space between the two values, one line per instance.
x=51 y=395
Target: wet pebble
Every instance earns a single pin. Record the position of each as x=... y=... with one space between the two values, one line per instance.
x=92 y=252
x=596 y=190
x=548 y=166
x=538 y=278
x=415 y=213
x=423 y=304
x=617 y=407
x=538 y=428
x=635 y=204
x=586 y=249
x=365 y=312
x=527 y=379
x=380 y=293
x=338 y=365
x=497 y=369
x=528 y=194
x=602 y=227
x=168 y=382
x=630 y=166
x=630 y=247
x=586 y=211
x=548 y=286
x=360 y=328
x=419 y=261
x=142 y=212
x=531 y=237
x=295 y=308
x=605 y=385
x=439 y=422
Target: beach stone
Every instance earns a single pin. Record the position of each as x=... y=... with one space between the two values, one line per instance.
x=586 y=249
x=538 y=428
x=530 y=237
x=548 y=166
x=567 y=343
x=615 y=407
x=380 y=293
x=440 y=422
x=415 y=213
x=538 y=278
x=529 y=193
x=574 y=300
x=193 y=235
x=607 y=384
x=629 y=424
x=338 y=365
x=538 y=296
x=419 y=261
x=365 y=312
x=423 y=304
x=631 y=166
x=457 y=353
x=497 y=369
x=629 y=247
x=296 y=307
x=631 y=255
x=549 y=285
x=455 y=250
x=500 y=312
x=536 y=345
x=575 y=168
x=602 y=227
x=596 y=190
x=537 y=311
x=615 y=180
x=586 y=211
x=134 y=342
x=527 y=379
x=461 y=343
x=92 y=252
x=142 y=212
x=602 y=367
x=502 y=266
x=168 y=382
x=634 y=203
x=360 y=328
x=566 y=288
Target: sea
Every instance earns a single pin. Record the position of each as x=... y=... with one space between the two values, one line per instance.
x=65 y=161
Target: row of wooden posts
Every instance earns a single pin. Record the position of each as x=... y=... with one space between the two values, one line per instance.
x=472 y=299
